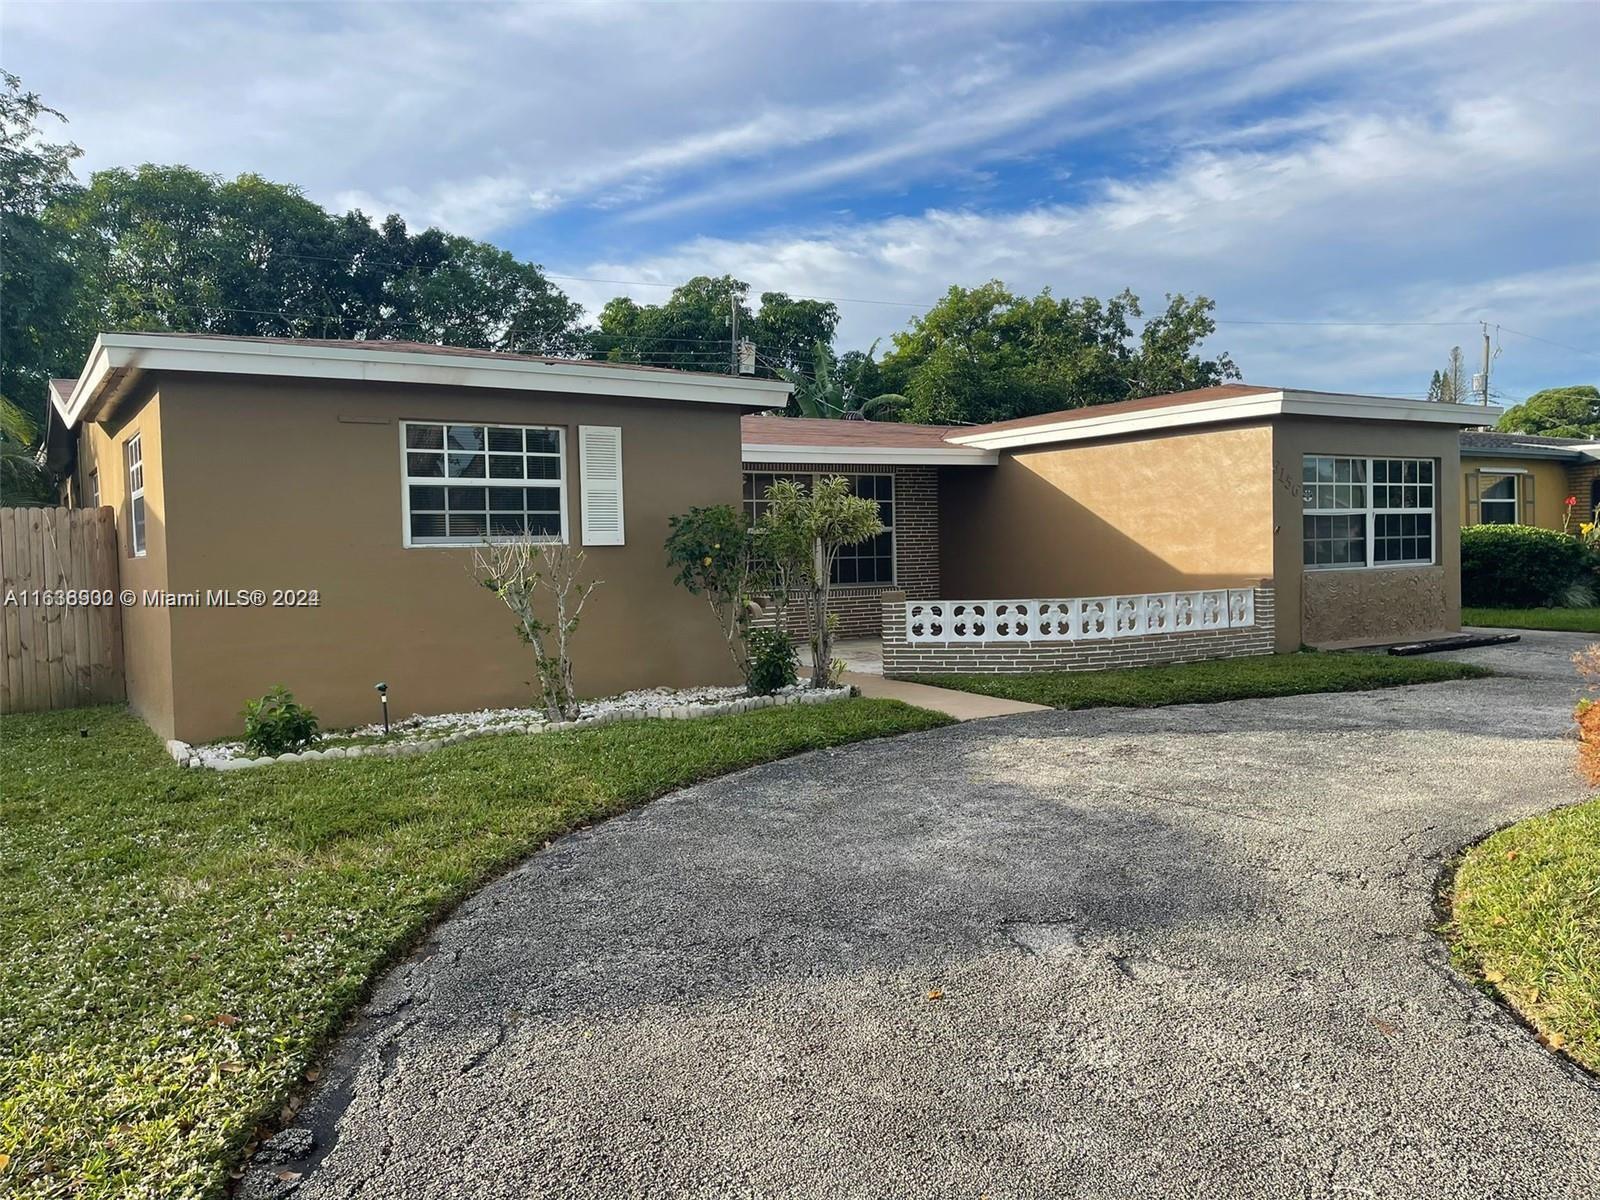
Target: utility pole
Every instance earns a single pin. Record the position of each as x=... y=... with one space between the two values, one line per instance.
x=1483 y=392
x=733 y=337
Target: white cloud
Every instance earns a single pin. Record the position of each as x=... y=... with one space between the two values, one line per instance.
x=1343 y=162
x=1296 y=234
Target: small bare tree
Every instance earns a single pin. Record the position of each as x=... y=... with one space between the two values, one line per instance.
x=804 y=532
x=518 y=570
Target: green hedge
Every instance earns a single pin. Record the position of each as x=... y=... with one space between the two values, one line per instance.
x=1518 y=566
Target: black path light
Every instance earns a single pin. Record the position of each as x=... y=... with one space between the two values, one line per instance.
x=383 y=694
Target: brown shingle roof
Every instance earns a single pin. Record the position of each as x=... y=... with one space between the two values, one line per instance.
x=1196 y=396
x=813 y=431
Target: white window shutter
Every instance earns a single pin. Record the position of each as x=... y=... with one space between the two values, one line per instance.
x=600 y=483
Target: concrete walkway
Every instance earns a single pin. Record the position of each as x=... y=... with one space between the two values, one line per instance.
x=1179 y=952
x=963 y=706
x=863 y=659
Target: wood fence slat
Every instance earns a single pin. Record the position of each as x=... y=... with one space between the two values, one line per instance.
x=58 y=655
x=67 y=617
x=27 y=626
x=50 y=614
x=10 y=663
x=83 y=531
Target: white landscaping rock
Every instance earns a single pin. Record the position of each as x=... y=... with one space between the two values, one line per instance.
x=422 y=735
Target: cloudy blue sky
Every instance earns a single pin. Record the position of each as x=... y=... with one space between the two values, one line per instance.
x=1355 y=185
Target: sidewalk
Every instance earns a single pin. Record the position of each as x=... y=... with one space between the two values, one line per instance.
x=963 y=706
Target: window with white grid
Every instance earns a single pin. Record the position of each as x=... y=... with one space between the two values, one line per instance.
x=464 y=483
x=868 y=562
x=133 y=457
x=1367 y=512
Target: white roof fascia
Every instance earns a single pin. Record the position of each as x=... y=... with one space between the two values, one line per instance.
x=224 y=356
x=955 y=456
x=1256 y=406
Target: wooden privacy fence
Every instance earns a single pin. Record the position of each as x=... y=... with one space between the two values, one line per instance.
x=62 y=621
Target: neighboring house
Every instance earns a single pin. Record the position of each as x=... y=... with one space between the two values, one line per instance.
x=365 y=473
x=1228 y=520
x=1524 y=479
x=1346 y=503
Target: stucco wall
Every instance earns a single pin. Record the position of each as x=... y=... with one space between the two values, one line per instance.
x=1380 y=603
x=146 y=629
x=1140 y=514
x=1550 y=487
x=290 y=484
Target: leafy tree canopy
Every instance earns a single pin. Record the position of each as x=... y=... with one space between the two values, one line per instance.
x=984 y=354
x=830 y=392
x=37 y=275
x=1556 y=412
x=168 y=247
x=693 y=327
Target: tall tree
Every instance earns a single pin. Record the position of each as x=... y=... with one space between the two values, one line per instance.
x=693 y=328
x=40 y=331
x=826 y=393
x=1556 y=412
x=168 y=247
x=786 y=330
x=984 y=354
x=1450 y=386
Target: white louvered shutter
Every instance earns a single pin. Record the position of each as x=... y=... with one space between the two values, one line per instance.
x=600 y=483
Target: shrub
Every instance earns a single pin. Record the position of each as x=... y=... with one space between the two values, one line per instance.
x=276 y=724
x=711 y=551
x=1518 y=566
x=772 y=661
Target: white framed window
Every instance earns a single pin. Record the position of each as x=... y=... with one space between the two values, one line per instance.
x=1367 y=512
x=133 y=457
x=94 y=489
x=1499 y=498
x=463 y=483
x=870 y=562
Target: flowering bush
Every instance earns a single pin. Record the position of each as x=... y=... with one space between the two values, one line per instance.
x=1587 y=714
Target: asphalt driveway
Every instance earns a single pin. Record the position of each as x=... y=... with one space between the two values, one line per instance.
x=1174 y=952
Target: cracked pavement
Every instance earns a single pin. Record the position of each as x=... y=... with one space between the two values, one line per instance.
x=1171 y=952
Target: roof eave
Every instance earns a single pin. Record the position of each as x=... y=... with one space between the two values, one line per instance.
x=1256 y=406
x=1557 y=453
x=113 y=353
x=955 y=456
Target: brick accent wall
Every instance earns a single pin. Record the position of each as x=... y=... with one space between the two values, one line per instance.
x=1580 y=483
x=1012 y=658
x=916 y=546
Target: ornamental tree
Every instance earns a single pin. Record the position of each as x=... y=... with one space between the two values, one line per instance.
x=802 y=532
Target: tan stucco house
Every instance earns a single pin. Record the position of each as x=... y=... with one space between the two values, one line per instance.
x=1526 y=479
x=1346 y=503
x=346 y=484
x=363 y=473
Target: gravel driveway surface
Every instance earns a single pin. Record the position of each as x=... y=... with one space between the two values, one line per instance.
x=1174 y=952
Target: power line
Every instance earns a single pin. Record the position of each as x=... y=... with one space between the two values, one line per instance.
x=1548 y=341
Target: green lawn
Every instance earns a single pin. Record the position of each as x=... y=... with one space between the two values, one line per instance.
x=177 y=945
x=1525 y=917
x=1575 y=620
x=1206 y=682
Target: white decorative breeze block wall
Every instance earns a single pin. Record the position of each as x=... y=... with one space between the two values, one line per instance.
x=1085 y=634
